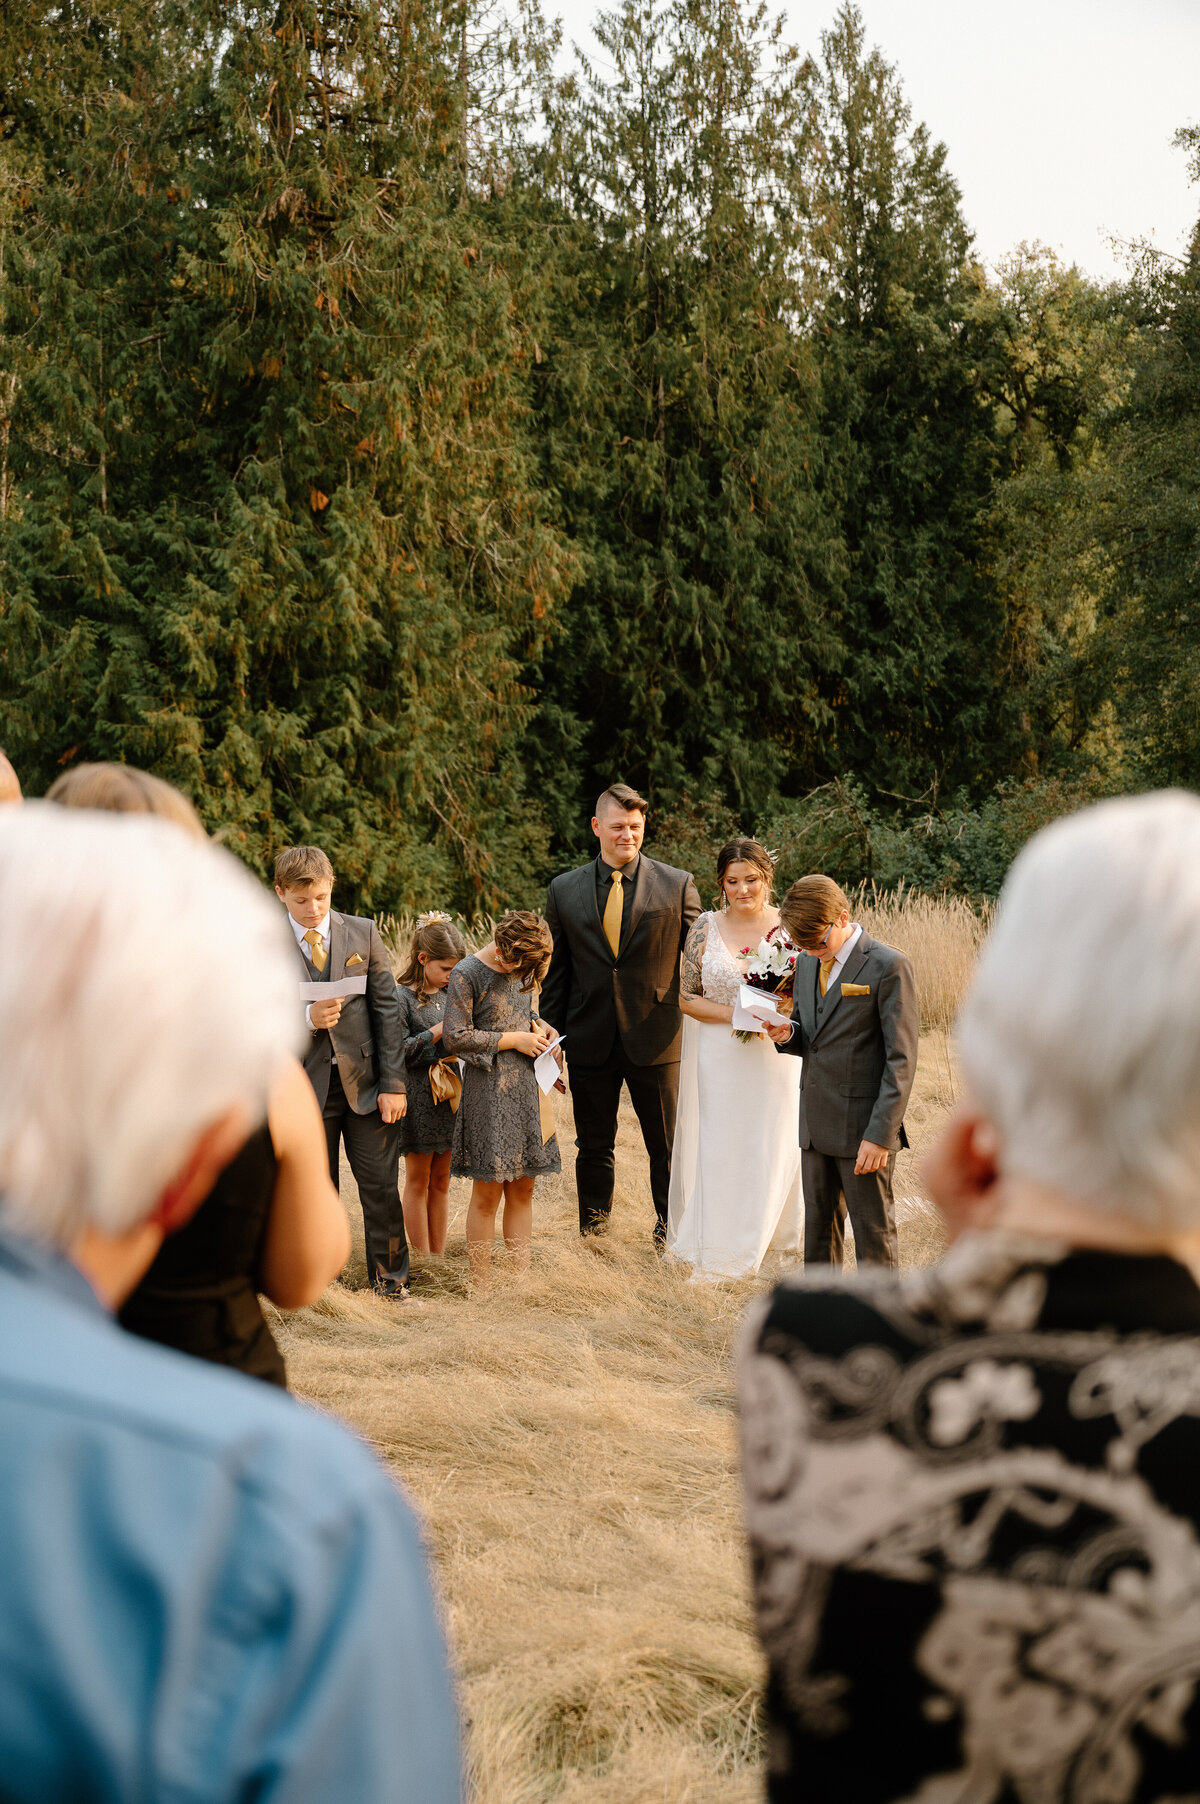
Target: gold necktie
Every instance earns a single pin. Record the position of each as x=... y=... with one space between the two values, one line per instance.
x=613 y=910
x=317 y=952
x=827 y=965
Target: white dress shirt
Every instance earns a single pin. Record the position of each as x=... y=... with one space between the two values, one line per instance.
x=322 y=927
x=843 y=955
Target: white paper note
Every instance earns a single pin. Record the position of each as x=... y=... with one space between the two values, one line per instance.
x=754 y=1007
x=327 y=992
x=545 y=1067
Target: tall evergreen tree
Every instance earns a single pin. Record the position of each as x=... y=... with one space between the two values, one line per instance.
x=1147 y=520
x=675 y=407
x=273 y=534
x=1056 y=364
x=910 y=441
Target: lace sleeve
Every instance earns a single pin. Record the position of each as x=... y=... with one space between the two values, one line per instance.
x=460 y=1036
x=420 y=1048
x=690 y=981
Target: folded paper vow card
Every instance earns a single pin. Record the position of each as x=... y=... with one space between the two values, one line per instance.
x=754 y=1008
x=328 y=992
x=545 y=1067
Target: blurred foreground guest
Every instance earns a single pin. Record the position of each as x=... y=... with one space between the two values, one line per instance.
x=207 y=1592
x=123 y=789
x=504 y=1136
x=10 y=786
x=973 y=1492
x=272 y=1222
x=434 y=1085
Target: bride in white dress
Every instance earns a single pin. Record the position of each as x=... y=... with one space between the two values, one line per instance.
x=735 y=1167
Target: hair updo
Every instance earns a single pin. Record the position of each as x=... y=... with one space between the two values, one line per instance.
x=523 y=941
x=744 y=851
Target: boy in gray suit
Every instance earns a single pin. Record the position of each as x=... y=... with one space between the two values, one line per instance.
x=854 y=1023
x=355 y=1057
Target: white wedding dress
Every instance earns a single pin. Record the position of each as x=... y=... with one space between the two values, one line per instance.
x=735 y=1168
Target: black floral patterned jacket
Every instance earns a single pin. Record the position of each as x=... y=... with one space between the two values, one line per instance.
x=973 y=1495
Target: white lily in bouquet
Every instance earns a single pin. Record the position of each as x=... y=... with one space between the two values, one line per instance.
x=771 y=966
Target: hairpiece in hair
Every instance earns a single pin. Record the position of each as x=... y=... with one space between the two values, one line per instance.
x=435 y=914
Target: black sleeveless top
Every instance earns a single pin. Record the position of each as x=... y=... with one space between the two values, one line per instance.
x=200 y=1294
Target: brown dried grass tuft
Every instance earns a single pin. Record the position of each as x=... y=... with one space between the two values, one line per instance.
x=941 y=934
x=570 y=1443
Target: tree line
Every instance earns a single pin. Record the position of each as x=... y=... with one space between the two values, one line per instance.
x=401 y=438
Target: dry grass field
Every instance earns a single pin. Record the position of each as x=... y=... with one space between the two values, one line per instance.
x=570 y=1444
x=941 y=934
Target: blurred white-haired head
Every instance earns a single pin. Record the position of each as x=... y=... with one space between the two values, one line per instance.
x=1080 y=1037
x=146 y=988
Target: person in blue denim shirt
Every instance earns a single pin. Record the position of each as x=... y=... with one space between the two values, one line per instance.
x=207 y=1591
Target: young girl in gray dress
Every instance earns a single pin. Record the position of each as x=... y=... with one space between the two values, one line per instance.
x=499 y=1138
x=427 y=1131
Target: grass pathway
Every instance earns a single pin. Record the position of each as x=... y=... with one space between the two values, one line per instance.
x=570 y=1443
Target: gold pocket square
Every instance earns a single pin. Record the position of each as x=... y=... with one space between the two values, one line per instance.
x=355 y=958
x=856 y=989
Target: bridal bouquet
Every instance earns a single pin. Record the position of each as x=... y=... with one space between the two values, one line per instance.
x=771 y=966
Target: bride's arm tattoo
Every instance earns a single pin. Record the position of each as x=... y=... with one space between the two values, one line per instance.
x=690 y=981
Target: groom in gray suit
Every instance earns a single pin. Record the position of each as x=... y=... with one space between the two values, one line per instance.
x=854 y=1023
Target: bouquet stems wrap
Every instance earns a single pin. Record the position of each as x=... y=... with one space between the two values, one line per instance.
x=445 y=1083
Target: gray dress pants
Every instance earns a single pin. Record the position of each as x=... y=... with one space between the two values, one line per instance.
x=830 y=1190
x=373 y=1152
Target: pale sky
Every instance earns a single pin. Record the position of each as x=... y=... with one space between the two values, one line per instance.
x=1057 y=114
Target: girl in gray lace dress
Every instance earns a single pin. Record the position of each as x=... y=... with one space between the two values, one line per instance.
x=501 y=1140
x=427 y=1131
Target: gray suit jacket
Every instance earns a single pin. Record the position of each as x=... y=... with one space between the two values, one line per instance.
x=369 y=1037
x=859 y=1052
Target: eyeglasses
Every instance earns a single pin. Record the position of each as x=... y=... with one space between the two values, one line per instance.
x=823 y=942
